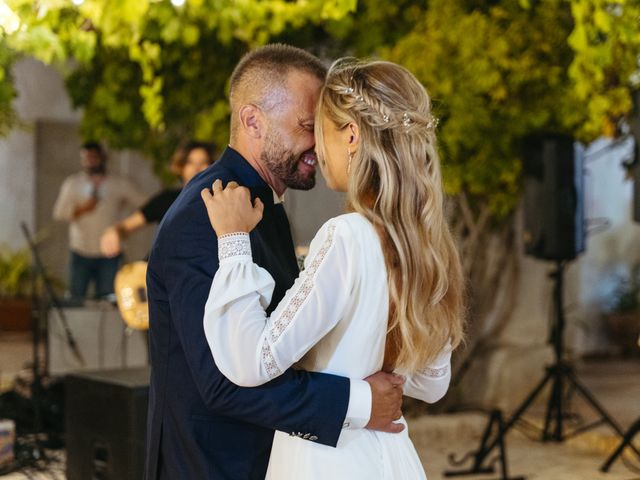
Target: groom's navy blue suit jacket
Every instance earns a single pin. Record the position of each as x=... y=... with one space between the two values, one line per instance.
x=200 y=425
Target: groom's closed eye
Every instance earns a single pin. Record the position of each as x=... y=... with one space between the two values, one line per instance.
x=307 y=126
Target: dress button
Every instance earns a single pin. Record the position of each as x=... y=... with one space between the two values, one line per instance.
x=313 y=438
x=346 y=425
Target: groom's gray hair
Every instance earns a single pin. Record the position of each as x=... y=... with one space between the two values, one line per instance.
x=263 y=71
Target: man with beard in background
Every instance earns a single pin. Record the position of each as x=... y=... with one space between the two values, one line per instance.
x=90 y=201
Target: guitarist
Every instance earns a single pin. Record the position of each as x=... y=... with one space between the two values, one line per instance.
x=189 y=159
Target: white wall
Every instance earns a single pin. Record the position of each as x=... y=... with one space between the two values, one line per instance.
x=17 y=189
x=41 y=95
x=610 y=253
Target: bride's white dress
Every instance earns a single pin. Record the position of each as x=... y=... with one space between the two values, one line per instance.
x=332 y=320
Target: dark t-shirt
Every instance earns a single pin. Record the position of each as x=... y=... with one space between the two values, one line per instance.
x=157 y=206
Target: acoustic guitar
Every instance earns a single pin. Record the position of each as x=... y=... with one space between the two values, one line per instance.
x=131 y=295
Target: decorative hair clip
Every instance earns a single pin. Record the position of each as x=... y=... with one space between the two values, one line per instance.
x=433 y=123
x=385 y=118
x=359 y=98
x=406 y=121
x=348 y=90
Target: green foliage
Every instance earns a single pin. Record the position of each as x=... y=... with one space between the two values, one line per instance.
x=495 y=74
x=606 y=42
x=193 y=98
x=374 y=26
x=7 y=90
x=15 y=273
x=51 y=31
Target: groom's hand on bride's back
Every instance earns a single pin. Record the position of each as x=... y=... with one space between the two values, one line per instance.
x=386 y=402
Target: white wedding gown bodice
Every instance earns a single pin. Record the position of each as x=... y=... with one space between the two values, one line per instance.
x=332 y=320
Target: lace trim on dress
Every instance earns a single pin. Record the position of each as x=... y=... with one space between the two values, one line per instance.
x=233 y=245
x=435 y=372
x=283 y=321
x=268 y=361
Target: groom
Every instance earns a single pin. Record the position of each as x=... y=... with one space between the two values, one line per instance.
x=200 y=425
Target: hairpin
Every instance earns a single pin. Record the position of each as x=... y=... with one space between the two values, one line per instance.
x=433 y=123
x=406 y=121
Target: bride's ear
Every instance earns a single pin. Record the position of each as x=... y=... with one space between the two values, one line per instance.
x=353 y=136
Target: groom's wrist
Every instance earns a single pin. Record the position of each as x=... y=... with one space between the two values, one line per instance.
x=359 y=409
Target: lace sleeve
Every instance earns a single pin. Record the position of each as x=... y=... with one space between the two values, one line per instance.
x=235 y=321
x=432 y=382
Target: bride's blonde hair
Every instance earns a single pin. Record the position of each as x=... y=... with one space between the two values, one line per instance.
x=395 y=182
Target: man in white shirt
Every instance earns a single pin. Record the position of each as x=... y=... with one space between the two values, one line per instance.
x=90 y=201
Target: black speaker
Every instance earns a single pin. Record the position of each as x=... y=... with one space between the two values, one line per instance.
x=106 y=413
x=553 y=197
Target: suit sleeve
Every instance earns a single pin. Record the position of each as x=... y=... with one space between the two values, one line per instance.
x=297 y=401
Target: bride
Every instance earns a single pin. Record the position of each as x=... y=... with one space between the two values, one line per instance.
x=382 y=286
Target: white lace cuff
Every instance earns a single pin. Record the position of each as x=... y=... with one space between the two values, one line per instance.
x=435 y=372
x=234 y=245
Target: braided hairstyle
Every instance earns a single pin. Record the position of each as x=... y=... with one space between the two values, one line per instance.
x=395 y=182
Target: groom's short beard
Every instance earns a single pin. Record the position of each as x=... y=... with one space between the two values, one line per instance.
x=283 y=164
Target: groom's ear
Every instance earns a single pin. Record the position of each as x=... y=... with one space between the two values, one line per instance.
x=252 y=120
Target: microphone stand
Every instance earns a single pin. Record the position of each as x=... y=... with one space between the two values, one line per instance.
x=39 y=271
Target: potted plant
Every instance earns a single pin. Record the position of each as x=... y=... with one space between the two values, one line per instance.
x=623 y=319
x=15 y=289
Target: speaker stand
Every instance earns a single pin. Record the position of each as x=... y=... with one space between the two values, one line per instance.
x=626 y=442
x=560 y=375
x=494 y=431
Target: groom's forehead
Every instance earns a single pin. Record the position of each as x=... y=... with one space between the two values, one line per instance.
x=304 y=90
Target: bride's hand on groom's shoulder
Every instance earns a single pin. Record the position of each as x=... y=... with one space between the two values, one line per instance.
x=230 y=208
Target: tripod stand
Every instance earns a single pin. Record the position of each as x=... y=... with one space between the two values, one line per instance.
x=41 y=412
x=634 y=429
x=559 y=375
x=38 y=273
